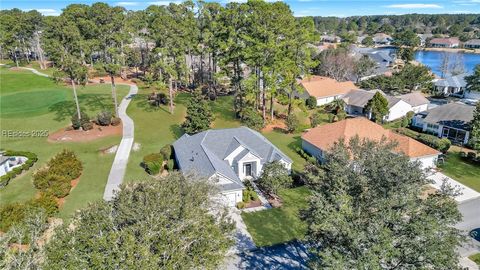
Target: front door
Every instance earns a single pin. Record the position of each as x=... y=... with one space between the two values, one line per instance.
x=248 y=169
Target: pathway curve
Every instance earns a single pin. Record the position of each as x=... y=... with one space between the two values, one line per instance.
x=119 y=166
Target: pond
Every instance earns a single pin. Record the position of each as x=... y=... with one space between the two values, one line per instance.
x=433 y=59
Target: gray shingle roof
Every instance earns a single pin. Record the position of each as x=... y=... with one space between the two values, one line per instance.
x=452 y=81
x=203 y=153
x=457 y=115
x=414 y=99
x=361 y=97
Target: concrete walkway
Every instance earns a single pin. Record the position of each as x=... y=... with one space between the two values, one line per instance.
x=467 y=193
x=35 y=71
x=119 y=166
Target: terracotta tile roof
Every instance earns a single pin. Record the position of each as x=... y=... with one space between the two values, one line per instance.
x=449 y=41
x=320 y=87
x=324 y=136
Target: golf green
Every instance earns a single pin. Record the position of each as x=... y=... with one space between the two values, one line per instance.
x=32 y=103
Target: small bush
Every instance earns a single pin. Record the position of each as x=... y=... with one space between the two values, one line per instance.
x=170 y=165
x=40 y=179
x=463 y=154
x=315 y=120
x=166 y=151
x=153 y=163
x=116 y=121
x=46 y=202
x=311 y=102
x=17 y=170
x=65 y=164
x=5 y=179
x=341 y=115
x=331 y=117
x=76 y=123
x=441 y=145
x=104 y=118
x=249 y=195
x=240 y=205
x=292 y=123
x=87 y=126
x=11 y=214
x=59 y=186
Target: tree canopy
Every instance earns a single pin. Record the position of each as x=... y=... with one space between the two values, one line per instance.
x=368 y=211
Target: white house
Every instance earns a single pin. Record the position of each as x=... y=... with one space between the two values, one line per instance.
x=451 y=121
x=417 y=101
x=451 y=85
x=227 y=157
x=8 y=163
x=357 y=100
x=325 y=89
x=320 y=139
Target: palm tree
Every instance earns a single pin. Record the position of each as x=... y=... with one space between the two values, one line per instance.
x=337 y=105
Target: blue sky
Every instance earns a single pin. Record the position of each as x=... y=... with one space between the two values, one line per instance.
x=340 y=8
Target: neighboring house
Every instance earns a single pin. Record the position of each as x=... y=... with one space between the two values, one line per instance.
x=472 y=44
x=452 y=42
x=383 y=59
x=423 y=38
x=418 y=102
x=451 y=121
x=321 y=139
x=8 y=163
x=382 y=39
x=330 y=38
x=451 y=85
x=325 y=89
x=357 y=100
x=227 y=156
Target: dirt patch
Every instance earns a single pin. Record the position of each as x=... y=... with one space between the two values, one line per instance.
x=275 y=125
x=106 y=80
x=98 y=132
x=253 y=204
x=109 y=150
x=19 y=247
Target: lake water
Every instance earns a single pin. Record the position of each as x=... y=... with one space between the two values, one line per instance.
x=433 y=60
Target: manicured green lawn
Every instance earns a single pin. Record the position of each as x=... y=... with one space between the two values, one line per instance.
x=279 y=225
x=463 y=171
x=475 y=258
x=53 y=114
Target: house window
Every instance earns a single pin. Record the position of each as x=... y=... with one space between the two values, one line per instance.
x=247 y=168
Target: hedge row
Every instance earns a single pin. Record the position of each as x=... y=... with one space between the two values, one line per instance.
x=441 y=144
x=55 y=179
x=154 y=162
x=31 y=159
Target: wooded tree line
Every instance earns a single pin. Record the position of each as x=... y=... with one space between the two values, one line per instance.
x=256 y=49
x=459 y=25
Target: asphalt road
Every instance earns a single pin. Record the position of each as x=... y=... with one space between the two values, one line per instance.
x=471 y=220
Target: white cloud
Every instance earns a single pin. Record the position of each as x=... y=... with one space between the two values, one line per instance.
x=164 y=3
x=414 y=6
x=127 y=4
x=46 y=11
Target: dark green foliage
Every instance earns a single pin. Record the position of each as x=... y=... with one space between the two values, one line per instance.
x=104 y=118
x=199 y=114
x=252 y=119
x=249 y=194
x=475 y=124
x=292 y=123
x=40 y=179
x=473 y=81
x=441 y=145
x=169 y=222
x=367 y=212
x=58 y=186
x=311 y=102
x=274 y=177
x=87 y=126
x=368 y=41
x=77 y=123
x=153 y=163
x=315 y=119
x=407 y=119
x=65 y=164
x=406 y=54
x=47 y=202
x=378 y=107
x=170 y=165
x=406 y=38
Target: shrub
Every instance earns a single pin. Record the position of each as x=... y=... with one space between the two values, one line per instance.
x=252 y=119
x=331 y=117
x=292 y=123
x=315 y=120
x=471 y=155
x=240 y=205
x=116 y=121
x=76 y=123
x=153 y=163
x=170 y=165
x=311 y=102
x=11 y=214
x=59 y=186
x=166 y=151
x=104 y=118
x=40 y=179
x=341 y=115
x=441 y=145
x=249 y=195
x=17 y=170
x=87 y=126
x=46 y=202
x=274 y=177
x=65 y=164
x=4 y=179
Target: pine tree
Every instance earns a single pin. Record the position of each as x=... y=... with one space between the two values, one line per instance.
x=378 y=107
x=199 y=114
x=473 y=81
x=475 y=134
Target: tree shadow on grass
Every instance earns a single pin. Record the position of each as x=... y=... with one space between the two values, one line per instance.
x=141 y=101
x=176 y=130
x=62 y=110
x=296 y=144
